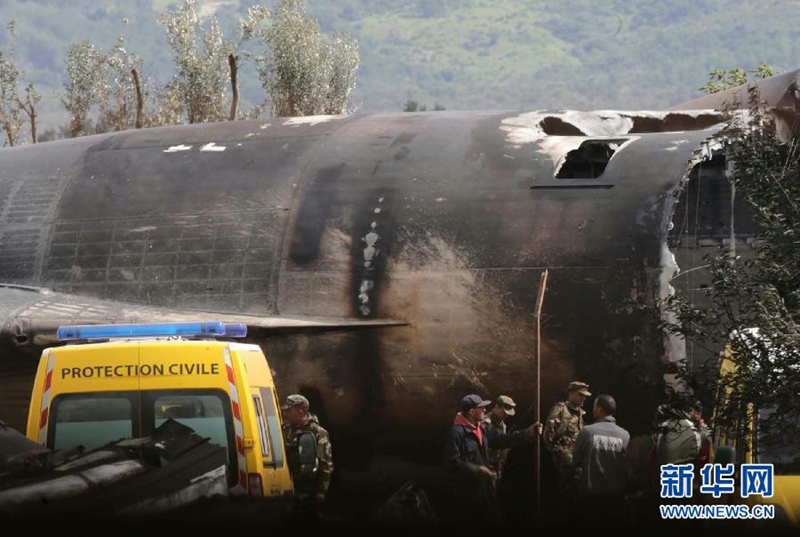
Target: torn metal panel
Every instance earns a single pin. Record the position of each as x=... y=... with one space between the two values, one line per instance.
x=17 y=452
x=779 y=95
x=779 y=91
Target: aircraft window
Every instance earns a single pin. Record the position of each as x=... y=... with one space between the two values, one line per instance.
x=588 y=161
x=91 y=421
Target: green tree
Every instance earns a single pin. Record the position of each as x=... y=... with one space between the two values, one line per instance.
x=201 y=59
x=245 y=32
x=121 y=104
x=107 y=82
x=86 y=66
x=13 y=103
x=722 y=79
x=303 y=71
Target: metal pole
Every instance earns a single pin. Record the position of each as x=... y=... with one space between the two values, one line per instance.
x=538 y=358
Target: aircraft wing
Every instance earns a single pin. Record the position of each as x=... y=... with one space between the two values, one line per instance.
x=31 y=316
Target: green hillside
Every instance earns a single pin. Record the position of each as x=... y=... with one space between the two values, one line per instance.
x=461 y=54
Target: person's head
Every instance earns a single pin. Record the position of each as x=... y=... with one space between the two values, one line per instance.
x=577 y=392
x=684 y=405
x=504 y=407
x=473 y=407
x=604 y=405
x=295 y=409
x=695 y=410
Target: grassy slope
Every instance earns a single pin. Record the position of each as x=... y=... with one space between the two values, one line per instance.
x=512 y=53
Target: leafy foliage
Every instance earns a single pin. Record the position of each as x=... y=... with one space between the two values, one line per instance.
x=12 y=104
x=304 y=72
x=85 y=66
x=118 y=106
x=108 y=82
x=414 y=106
x=722 y=79
x=201 y=60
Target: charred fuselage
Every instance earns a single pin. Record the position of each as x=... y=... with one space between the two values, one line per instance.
x=438 y=223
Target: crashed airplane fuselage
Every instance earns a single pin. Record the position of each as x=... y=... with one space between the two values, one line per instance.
x=387 y=263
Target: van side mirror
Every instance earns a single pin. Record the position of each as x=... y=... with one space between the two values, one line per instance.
x=307 y=447
x=725 y=455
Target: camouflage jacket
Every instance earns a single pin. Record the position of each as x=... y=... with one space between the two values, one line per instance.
x=309 y=480
x=561 y=430
x=497 y=457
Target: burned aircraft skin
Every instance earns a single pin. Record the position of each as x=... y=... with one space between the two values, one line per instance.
x=387 y=263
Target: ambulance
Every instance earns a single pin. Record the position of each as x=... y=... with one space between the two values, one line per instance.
x=109 y=382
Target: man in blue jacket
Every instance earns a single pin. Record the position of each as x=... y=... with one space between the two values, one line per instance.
x=467 y=453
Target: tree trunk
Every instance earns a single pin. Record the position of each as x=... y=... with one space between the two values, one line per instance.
x=7 y=128
x=76 y=127
x=233 y=62
x=34 y=130
x=137 y=82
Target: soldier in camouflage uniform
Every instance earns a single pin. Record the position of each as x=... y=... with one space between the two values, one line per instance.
x=310 y=483
x=561 y=430
x=496 y=420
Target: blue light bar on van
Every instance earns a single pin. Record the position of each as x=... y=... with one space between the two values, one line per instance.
x=235 y=330
x=103 y=331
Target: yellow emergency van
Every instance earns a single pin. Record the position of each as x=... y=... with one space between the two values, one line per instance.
x=740 y=443
x=123 y=381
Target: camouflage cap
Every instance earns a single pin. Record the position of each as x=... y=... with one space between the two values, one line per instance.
x=295 y=400
x=507 y=404
x=580 y=387
x=473 y=401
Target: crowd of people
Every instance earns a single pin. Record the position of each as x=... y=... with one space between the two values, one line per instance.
x=597 y=479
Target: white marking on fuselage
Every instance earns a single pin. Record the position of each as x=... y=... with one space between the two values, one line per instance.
x=211 y=146
x=176 y=148
x=309 y=120
x=675 y=144
x=370 y=253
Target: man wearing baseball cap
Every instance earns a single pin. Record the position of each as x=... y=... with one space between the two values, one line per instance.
x=561 y=429
x=496 y=420
x=467 y=454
